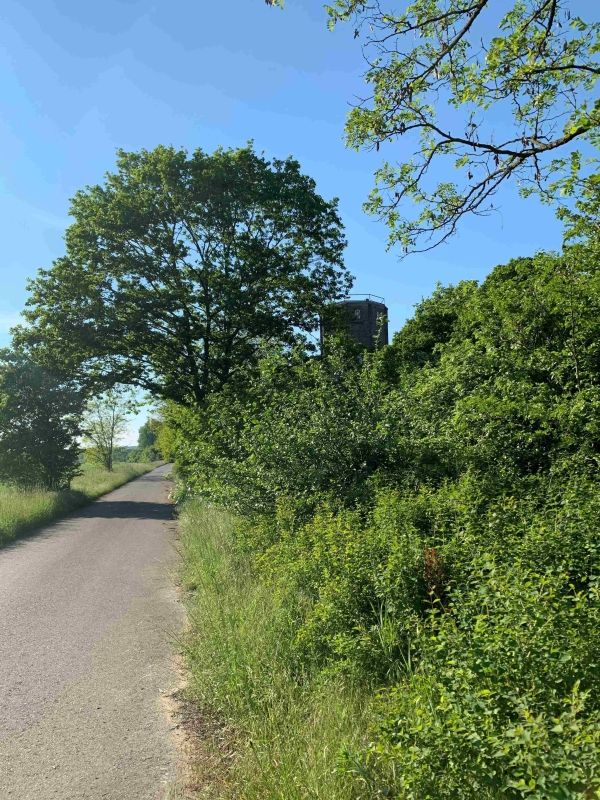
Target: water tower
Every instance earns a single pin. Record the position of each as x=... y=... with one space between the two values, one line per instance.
x=363 y=317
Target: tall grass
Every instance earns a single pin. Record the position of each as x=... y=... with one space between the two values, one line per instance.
x=290 y=728
x=22 y=510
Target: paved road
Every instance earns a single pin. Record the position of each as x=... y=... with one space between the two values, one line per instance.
x=88 y=613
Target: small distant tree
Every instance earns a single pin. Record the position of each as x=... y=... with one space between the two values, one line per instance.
x=105 y=423
x=40 y=418
x=148 y=445
x=148 y=433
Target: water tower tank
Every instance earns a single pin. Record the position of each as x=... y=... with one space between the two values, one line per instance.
x=363 y=317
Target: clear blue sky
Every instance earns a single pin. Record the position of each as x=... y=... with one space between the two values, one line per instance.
x=81 y=79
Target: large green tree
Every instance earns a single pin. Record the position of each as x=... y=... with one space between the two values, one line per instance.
x=481 y=91
x=40 y=416
x=178 y=267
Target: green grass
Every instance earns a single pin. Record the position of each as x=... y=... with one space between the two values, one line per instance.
x=290 y=729
x=24 y=510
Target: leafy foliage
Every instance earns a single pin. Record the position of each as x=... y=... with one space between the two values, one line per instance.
x=425 y=517
x=502 y=702
x=40 y=414
x=179 y=266
x=306 y=428
x=493 y=92
x=149 y=432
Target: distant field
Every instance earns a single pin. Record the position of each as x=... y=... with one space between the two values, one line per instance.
x=21 y=510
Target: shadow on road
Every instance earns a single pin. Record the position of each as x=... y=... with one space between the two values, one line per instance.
x=126 y=509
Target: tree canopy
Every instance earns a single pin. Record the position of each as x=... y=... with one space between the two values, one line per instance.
x=179 y=267
x=40 y=415
x=484 y=91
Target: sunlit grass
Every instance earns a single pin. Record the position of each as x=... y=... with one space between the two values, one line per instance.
x=290 y=729
x=23 y=510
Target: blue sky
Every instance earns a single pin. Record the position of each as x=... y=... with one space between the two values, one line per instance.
x=81 y=79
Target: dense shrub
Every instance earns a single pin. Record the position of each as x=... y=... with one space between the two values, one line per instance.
x=504 y=700
x=427 y=518
x=307 y=429
x=358 y=585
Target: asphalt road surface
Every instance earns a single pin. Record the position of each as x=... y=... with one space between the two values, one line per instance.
x=88 y=620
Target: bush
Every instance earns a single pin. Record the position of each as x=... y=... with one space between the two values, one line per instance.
x=423 y=524
x=307 y=429
x=504 y=700
x=355 y=585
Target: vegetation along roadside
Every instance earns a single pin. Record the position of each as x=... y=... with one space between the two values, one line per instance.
x=401 y=598
x=286 y=729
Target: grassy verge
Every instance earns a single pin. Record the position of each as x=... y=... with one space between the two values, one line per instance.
x=23 y=510
x=290 y=728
